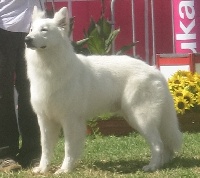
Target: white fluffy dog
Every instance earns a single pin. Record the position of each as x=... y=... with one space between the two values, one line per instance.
x=67 y=88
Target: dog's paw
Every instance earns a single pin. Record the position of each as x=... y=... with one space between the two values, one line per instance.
x=150 y=168
x=61 y=171
x=37 y=170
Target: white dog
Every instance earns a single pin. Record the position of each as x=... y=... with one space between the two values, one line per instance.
x=67 y=88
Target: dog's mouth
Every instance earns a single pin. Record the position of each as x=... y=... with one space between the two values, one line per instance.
x=43 y=47
x=29 y=45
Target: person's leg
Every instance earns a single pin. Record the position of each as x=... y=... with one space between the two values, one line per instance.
x=28 y=124
x=9 y=136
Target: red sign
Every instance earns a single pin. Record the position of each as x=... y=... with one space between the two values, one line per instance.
x=186 y=26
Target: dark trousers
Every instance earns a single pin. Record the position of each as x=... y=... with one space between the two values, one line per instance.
x=13 y=71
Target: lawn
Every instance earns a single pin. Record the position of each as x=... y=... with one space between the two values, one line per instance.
x=123 y=157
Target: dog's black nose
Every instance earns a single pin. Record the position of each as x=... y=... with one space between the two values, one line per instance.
x=29 y=41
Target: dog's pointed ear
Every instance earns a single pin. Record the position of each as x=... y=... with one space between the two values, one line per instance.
x=37 y=14
x=61 y=18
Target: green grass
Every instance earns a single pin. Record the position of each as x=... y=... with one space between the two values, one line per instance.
x=123 y=157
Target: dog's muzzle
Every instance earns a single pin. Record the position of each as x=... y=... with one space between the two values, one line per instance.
x=29 y=42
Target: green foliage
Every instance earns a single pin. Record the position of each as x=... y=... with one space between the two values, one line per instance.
x=98 y=39
x=79 y=46
x=100 y=36
x=126 y=48
x=93 y=123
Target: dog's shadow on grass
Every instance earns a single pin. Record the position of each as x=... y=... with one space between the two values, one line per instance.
x=132 y=166
x=184 y=163
x=122 y=166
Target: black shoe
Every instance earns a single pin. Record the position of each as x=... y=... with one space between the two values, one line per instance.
x=28 y=160
x=8 y=165
x=34 y=163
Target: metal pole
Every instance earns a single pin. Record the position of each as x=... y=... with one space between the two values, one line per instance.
x=42 y=5
x=113 y=22
x=70 y=15
x=70 y=8
x=172 y=7
x=146 y=26
x=153 y=33
x=133 y=25
x=53 y=6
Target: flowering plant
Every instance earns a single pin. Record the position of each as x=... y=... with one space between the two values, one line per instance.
x=185 y=89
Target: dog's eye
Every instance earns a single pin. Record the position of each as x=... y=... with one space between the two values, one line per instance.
x=44 y=29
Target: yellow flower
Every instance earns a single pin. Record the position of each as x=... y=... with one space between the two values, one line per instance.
x=198 y=98
x=189 y=97
x=184 y=73
x=196 y=78
x=191 y=84
x=178 y=92
x=185 y=89
x=197 y=90
x=181 y=105
x=176 y=82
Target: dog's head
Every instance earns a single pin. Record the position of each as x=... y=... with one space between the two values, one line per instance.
x=45 y=32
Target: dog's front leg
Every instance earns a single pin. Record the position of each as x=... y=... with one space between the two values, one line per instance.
x=49 y=135
x=74 y=133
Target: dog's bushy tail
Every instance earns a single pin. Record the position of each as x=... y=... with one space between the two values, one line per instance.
x=170 y=132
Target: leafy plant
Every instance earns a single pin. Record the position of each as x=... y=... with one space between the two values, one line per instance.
x=185 y=89
x=99 y=37
x=79 y=46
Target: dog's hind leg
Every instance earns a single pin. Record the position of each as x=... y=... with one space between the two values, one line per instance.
x=49 y=135
x=156 y=145
x=152 y=135
x=170 y=133
x=74 y=133
x=141 y=108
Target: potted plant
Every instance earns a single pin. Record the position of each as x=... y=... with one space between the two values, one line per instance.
x=109 y=124
x=185 y=89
